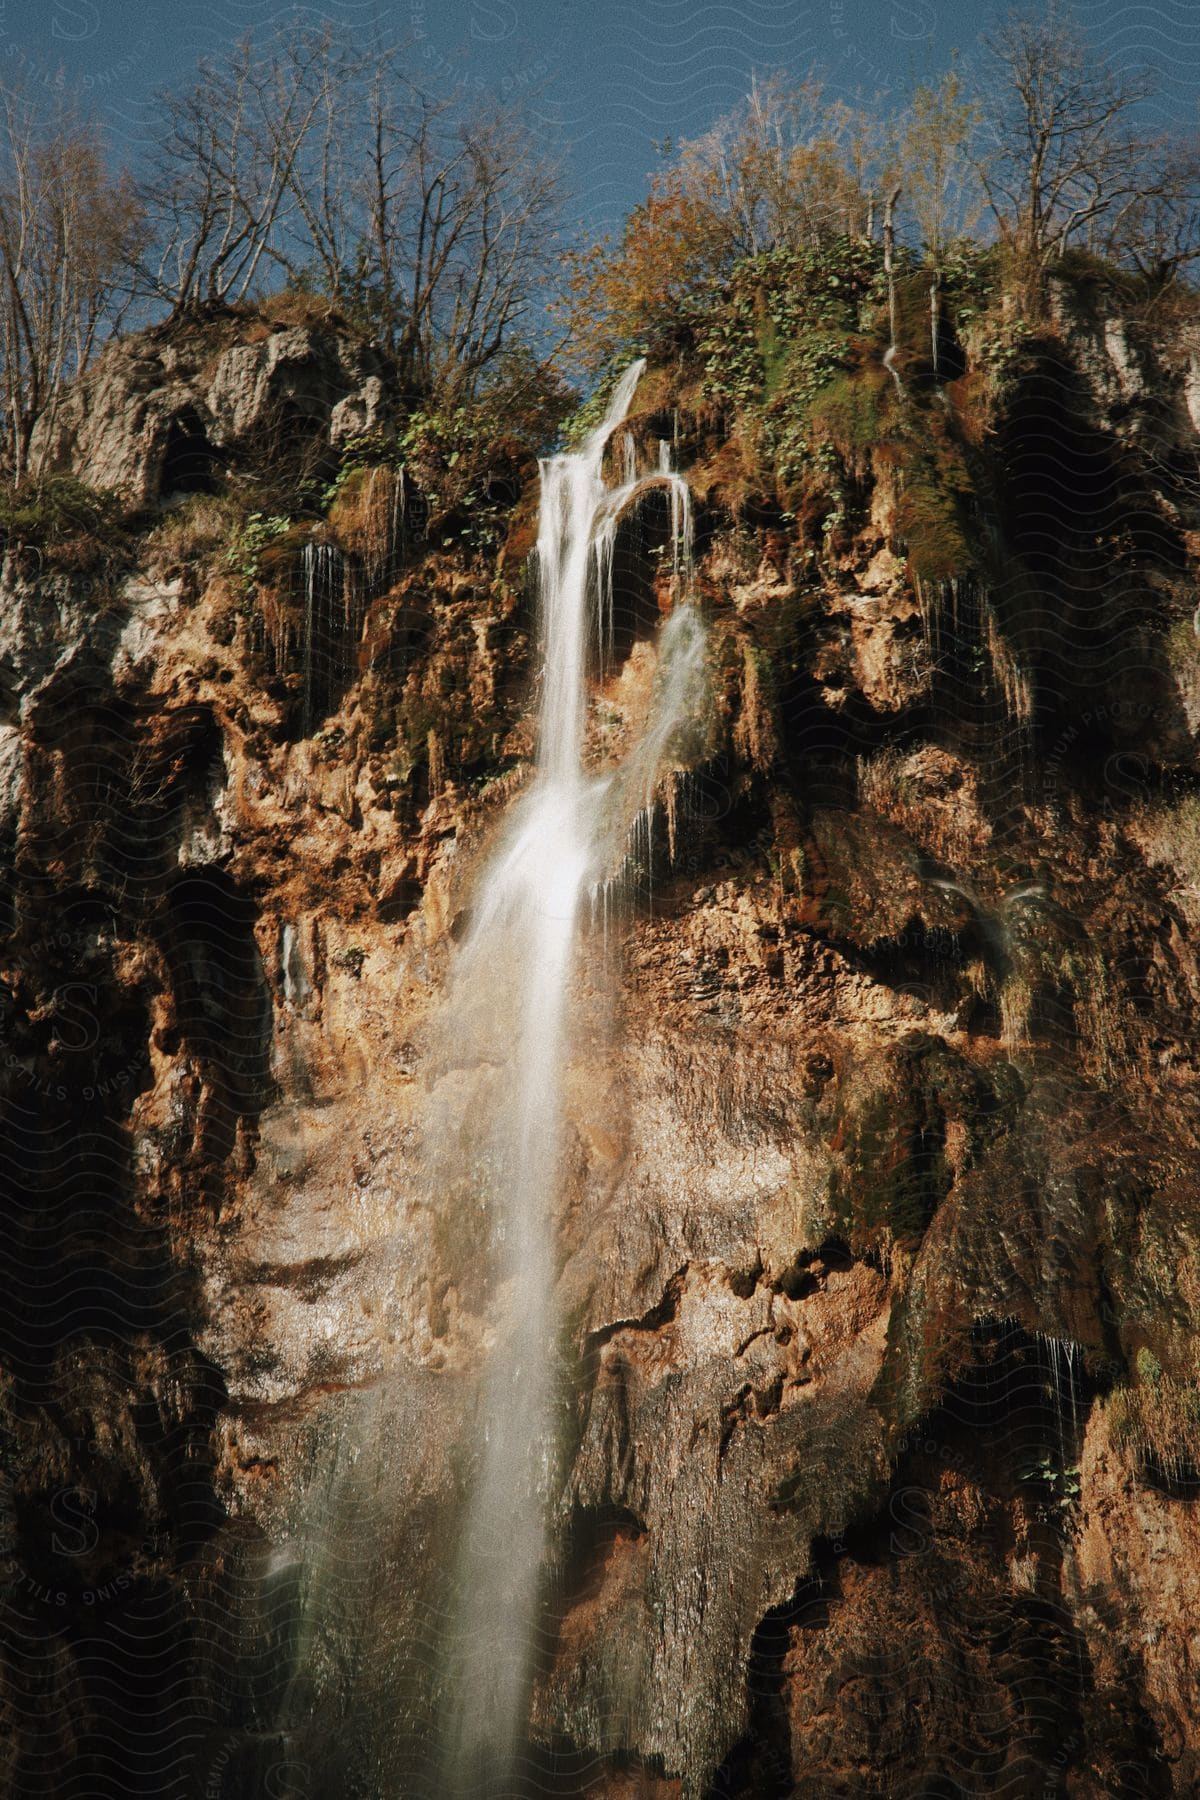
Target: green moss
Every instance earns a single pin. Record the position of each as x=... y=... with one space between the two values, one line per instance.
x=773 y=348
x=912 y=314
x=853 y=412
x=929 y=522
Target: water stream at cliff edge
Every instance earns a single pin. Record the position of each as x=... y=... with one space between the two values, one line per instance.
x=508 y=1007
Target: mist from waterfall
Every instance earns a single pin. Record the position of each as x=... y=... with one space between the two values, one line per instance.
x=506 y=1036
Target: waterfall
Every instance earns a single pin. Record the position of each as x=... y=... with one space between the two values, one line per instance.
x=497 y=1145
x=611 y=508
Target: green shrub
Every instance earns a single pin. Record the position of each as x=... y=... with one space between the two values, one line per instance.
x=58 y=509
x=244 y=555
x=780 y=329
x=372 y=449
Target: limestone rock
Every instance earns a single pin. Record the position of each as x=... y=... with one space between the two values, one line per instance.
x=165 y=412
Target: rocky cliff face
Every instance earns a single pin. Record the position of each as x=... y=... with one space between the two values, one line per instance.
x=877 y=1241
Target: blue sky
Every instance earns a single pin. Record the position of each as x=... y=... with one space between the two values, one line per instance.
x=607 y=78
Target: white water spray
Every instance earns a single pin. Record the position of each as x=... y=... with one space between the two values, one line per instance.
x=507 y=1016
x=889 y=363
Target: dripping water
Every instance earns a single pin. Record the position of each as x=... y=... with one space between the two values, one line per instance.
x=385 y=521
x=1062 y=1355
x=327 y=628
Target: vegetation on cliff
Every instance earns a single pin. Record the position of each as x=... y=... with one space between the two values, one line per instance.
x=877 y=1240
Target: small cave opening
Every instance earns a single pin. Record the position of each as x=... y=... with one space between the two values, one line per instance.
x=402 y=901
x=827 y=724
x=600 y=1535
x=951 y=357
x=925 y=961
x=202 y=754
x=177 y=757
x=642 y=563
x=190 y=464
x=1021 y=1401
x=724 y=825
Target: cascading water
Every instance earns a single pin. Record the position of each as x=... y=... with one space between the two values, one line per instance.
x=507 y=1015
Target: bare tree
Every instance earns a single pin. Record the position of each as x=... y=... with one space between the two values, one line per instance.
x=1063 y=159
x=470 y=242
x=69 y=231
x=788 y=168
x=1159 y=232
x=430 y=216
x=224 y=180
x=941 y=193
x=446 y=228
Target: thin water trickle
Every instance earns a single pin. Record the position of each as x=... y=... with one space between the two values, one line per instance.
x=327 y=592
x=509 y=1007
x=1062 y=1355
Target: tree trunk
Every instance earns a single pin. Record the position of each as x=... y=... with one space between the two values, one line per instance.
x=889 y=250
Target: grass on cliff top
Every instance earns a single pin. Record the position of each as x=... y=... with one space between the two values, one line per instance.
x=195 y=533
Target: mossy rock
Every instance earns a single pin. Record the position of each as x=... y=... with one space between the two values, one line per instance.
x=369 y=504
x=855 y=413
x=892 y=1139
x=930 y=523
x=280 y=564
x=869 y=891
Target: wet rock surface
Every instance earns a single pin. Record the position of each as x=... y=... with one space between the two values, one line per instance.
x=877 y=1245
